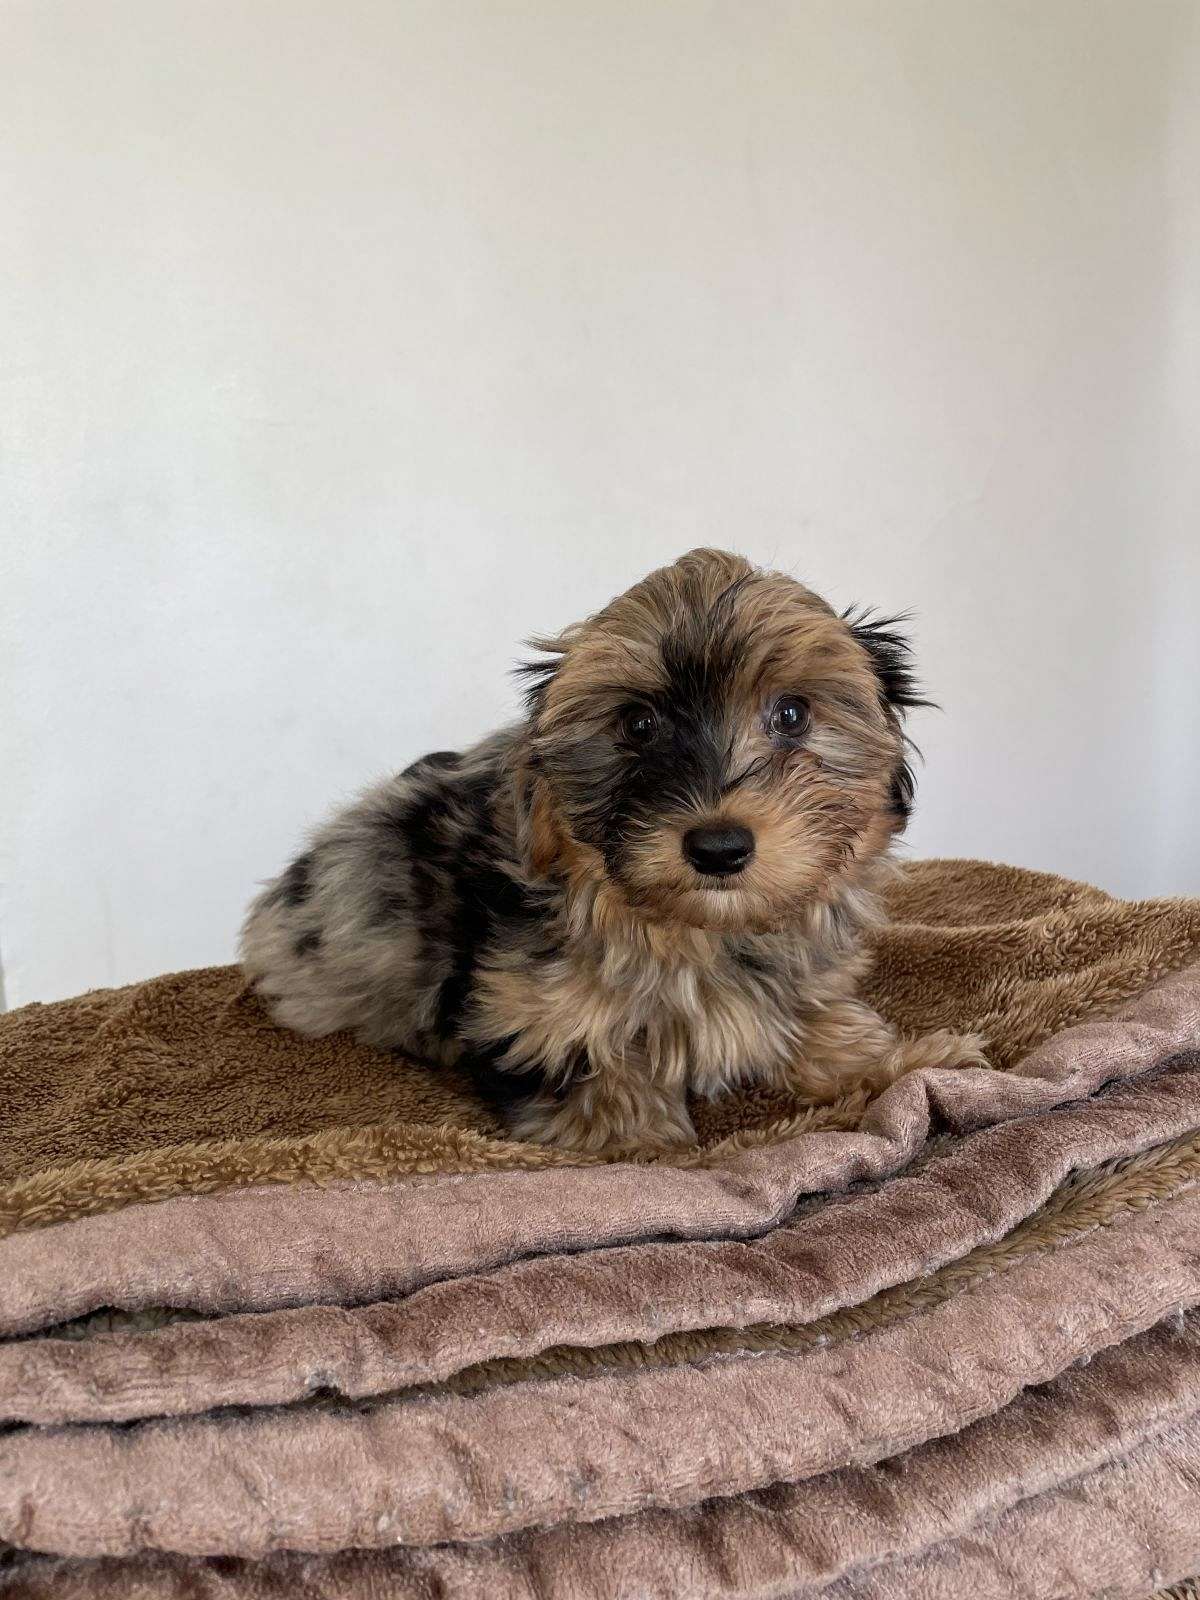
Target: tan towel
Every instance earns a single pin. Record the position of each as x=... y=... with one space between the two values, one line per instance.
x=182 y=1085
x=846 y=1363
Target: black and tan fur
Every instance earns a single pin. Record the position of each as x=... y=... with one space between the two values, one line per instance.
x=527 y=907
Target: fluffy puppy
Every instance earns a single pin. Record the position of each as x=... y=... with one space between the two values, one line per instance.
x=656 y=883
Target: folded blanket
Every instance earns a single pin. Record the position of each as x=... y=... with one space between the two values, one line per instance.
x=292 y=1318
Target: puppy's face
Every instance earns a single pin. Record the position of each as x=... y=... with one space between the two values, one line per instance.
x=719 y=745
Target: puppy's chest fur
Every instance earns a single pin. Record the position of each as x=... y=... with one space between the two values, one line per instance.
x=699 y=1013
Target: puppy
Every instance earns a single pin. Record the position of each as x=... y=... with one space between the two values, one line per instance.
x=656 y=883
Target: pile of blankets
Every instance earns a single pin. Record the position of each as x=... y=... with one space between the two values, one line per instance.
x=284 y=1319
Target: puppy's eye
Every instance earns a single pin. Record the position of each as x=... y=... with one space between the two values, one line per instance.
x=639 y=725
x=790 y=718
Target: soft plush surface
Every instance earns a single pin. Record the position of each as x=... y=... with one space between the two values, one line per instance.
x=182 y=1084
x=284 y=1318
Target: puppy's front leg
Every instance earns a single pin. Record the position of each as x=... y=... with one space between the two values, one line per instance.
x=848 y=1046
x=617 y=1107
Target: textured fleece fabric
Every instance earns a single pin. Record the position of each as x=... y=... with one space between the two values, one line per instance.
x=285 y=1318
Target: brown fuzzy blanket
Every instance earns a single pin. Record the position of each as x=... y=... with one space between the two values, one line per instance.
x=292 y=1318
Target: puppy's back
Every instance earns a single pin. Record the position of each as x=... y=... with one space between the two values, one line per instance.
x=365 y=930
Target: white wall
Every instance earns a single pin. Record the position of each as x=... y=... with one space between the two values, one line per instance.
x=345 y=344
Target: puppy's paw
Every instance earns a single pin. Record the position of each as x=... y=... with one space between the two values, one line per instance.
x=578 y=1123
x=941 y=1048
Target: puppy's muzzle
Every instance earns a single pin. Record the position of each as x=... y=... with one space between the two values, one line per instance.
x=716 y=851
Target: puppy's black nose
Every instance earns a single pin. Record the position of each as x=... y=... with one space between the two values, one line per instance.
x=718 y=850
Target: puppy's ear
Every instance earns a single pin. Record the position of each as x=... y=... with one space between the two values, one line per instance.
x=545 y=840
x=900 y=796
x=891 y=657
x=540 y=837
x=546 y=843
x=899 y=692
x=537 y=676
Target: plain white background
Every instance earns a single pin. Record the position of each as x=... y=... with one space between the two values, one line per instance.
x=346 y=344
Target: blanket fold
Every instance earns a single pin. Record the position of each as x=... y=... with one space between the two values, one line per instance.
x=357 y=1343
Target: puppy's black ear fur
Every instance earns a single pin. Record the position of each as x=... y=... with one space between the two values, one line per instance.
x=537 y=675
x=900 y=797
x=891 y=656
x=899 y=692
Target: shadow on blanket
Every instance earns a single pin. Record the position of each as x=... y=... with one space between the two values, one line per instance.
x=360 y=1344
